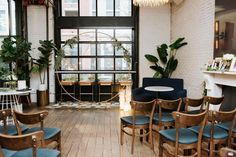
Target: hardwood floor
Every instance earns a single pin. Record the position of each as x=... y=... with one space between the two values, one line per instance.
x=94 y=133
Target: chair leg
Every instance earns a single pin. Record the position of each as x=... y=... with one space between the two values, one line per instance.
x=133 y=138
x=151 y=139
x=28 y=100
x=121 y=134
x=160 y=146
x=212 y=148
x=59 y=141
x=141 y=133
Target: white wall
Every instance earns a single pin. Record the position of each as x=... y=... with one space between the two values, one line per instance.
x=36 y=19
x=194 y=20
x=154 y=29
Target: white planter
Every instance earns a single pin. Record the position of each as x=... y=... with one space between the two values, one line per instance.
x=42 y=87
x=21 y=84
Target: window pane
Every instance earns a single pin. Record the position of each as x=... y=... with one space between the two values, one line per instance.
x=123 y=77
x=87 y=49
x=120 y=52
x=87 y=7
x=123 y=8
x=69 y=7
x=124 y=34
x=87 y=64
x=13 y=18
x=69 y=77
x=105 y=49
x=105 y=7
x=87 y=77
x=71 y=51
x=69 y=64
x=105 y=34
x=105 y=77
x=4 y=24
x=105 y=64
x=68 y=34
x=121 y=64
x=87 y=35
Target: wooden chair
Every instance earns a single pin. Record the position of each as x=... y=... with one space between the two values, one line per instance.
x=164 y=119
x=25 y=146
x=50 y=134
x=213 y=101
x=214 y=135
x=230 y=126
x=182 y=138
x=227 y=152
x=141 y=119
x=189 y=102
x=8 y=127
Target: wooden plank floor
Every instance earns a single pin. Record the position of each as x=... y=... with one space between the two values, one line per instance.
x=94 y=133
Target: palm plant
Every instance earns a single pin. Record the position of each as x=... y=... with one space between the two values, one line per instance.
x=169 y=62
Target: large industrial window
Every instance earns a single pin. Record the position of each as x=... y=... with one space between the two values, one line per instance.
x=96 y=23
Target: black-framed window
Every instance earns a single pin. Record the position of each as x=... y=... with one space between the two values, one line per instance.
x=97 y=22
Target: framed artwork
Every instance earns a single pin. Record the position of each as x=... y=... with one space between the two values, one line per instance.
x=233 y=65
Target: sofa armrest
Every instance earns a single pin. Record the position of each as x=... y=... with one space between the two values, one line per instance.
x=182 y=93
x=137 y=91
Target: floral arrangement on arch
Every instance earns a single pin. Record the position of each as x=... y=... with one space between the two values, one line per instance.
x=33 y=2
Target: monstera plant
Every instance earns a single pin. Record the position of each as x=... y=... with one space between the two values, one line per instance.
x=168 y=63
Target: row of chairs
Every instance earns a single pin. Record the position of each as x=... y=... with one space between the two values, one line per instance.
x=17 y=139
x=181 y=129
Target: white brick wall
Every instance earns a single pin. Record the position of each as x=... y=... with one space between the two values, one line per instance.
x=194 y=20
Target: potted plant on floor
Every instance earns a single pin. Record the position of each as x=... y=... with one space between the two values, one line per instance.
x=15 y=52
x=40 y=66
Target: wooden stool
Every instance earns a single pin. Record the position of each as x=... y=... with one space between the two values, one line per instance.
x=68 y=83
x=103 y=84
x=86 y=84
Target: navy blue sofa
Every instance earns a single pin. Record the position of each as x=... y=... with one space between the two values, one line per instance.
x=140 y=94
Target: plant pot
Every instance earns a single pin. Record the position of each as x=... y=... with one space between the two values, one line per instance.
x=42 y=87
x=21 y=84
x=42 y=98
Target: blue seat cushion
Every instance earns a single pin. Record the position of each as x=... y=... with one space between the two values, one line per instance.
x=11 y=129
x=166 y=117
x=193 y=112
x=41 y=152
x=186 y=136
x=48 y=132
x=140 y=120
x=219 y=133
x=226 y=126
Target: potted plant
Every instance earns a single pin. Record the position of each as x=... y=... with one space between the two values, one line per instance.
x=15 y=51
x=169 y=62
x=40 y=66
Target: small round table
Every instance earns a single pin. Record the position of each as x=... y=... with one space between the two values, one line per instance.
x=158 y=89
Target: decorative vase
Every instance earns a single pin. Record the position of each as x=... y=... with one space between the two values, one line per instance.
x=21 y=84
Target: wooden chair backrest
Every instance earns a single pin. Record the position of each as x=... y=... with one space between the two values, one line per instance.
x=30 y=118
x=183 y=119
x=4 y=114
x=142 y=108
x=227 y=152
x=172 y=105
x=194 y=103
x=213 y=100
x=224 y=116
x=20 y=142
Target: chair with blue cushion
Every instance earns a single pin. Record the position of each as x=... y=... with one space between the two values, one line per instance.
x=8 y=127
x=29 y=145
x=181 y=138
x=194 y=103
x=50 y=134
x=230 y=126
x=214 y=135
x=140 y=94
x=163 y=118
x=141 y=119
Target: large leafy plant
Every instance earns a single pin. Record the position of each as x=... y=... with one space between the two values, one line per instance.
x=41 y=64
x=168 y=61
x=15 y=51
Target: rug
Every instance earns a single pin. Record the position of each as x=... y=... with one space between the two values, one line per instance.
x=84 y=105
